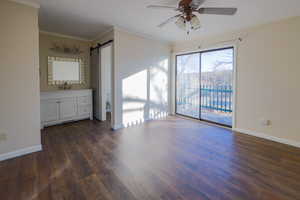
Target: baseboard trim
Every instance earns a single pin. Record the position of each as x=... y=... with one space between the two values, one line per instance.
x=20 y=152
x=117 y=126
x=268 y=137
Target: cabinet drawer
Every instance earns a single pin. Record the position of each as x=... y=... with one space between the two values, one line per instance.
x=84 y=109
x=84 y=100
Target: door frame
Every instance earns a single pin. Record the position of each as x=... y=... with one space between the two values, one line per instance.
x=102 y=83
x=234 y=81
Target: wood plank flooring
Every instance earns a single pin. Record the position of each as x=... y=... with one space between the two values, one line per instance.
x=170 y=159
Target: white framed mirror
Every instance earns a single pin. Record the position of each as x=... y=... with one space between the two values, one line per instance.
x=65 y=70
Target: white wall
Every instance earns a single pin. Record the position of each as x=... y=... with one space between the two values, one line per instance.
x=141 y=73
x=268 y=80
x=19 y=78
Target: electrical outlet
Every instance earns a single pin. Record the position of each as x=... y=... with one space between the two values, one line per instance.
x=265 y=122
x=3 y=137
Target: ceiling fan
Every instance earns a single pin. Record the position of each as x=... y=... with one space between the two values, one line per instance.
x=187 y=20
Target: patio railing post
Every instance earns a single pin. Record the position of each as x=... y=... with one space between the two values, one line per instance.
x=216 y=97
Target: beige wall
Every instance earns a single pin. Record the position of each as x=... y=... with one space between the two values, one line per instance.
x=46 y=42
x=267 y=77
x=19 y=77
x=141 y=74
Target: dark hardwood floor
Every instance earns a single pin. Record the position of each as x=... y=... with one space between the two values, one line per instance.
x=169 y=159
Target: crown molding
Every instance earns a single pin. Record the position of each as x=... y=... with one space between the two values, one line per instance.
x=31 y=3
x=99 y=36
x=65 y=36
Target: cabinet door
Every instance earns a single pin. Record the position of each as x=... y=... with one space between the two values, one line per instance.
x=68 y=108
x=84 y=100
x=49 y=110
x=84 y=110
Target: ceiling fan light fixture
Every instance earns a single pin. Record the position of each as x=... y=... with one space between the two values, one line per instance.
x=195 y=23
x=181 y=23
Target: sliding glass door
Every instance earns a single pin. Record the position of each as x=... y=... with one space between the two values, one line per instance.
x=216 y=86
x=188 y=85
x=204 y=85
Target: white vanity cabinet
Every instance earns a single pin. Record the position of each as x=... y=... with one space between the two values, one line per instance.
x=63 y=106
x=67 y=108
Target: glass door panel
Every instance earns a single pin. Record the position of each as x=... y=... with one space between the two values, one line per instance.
x=216 y=86
x=204 y=85
x=188 y=85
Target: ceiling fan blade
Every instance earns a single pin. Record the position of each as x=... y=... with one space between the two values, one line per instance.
x=169 y=21
x=196 y=4
x=161 y=7
x=217 y=11
x=167 y=2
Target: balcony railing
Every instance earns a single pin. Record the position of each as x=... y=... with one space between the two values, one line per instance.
x=218 y=98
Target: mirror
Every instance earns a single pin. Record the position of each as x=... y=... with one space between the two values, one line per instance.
x=65 y=70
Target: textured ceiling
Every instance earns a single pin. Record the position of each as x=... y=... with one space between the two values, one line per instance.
x=89 y=18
